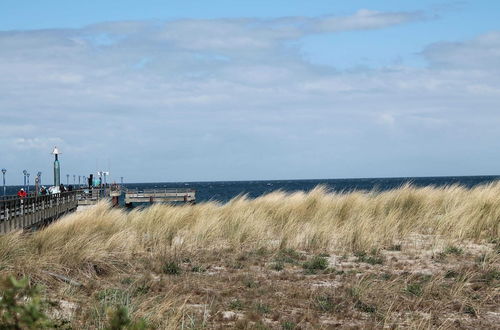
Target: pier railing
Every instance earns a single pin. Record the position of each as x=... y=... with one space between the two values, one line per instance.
x=160 y=195
x=33 y=211
x=92 y=196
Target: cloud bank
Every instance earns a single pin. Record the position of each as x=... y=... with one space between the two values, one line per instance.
x=236 y=99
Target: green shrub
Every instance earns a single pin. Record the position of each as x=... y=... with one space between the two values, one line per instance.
x=262 y=252
x=278 y=266
x=288 y=325
x=120 y=320
x=453 y=250
x=236 y=304
x=250 y=283
x=21 y=306
x=262 y=308
x=468 y=309
x=414 y=289
x=491 y=275
x=316 y=263
x=171 y=268
x=365 y=307
x=373 y=259
x=451 y=274
x=198 y=269
x=289 y=256
x=141 y=288
x=394 y=247
x=324 y=303
x=113 y=297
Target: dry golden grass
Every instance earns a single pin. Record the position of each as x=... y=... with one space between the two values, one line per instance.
x=107 y=248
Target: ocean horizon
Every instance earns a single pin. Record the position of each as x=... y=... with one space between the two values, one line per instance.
x=223 y=191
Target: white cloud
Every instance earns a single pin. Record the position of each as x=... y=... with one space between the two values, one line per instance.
x=41 y=144
x=223 y=99
x=481 y=53
x=366 y=20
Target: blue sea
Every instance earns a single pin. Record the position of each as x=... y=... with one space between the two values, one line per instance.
x=223 y=191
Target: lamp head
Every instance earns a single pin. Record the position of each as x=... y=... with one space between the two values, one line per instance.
x=25 y=172
x=4 y=170
x=56 y=151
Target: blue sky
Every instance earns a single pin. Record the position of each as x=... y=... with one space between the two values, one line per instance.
x=447 y=20
x=226 y=90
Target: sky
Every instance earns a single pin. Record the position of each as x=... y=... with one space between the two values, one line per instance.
x=163 y=91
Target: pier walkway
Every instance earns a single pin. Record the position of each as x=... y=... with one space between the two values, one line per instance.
x=160 y=196
x=35 y=211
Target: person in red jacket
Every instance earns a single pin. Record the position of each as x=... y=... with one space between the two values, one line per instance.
x=21 y=193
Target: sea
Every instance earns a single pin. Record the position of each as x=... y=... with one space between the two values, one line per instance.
x=223 y=191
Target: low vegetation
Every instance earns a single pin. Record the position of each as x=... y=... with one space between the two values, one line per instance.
x=410 y=257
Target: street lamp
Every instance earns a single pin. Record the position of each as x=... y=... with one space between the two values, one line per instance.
x=38 y=180
x=67 y=179
x=74 y=179
x=79 y=182
x=57 y=168
x=3 y=174
x=25 y=172
x=28 y=176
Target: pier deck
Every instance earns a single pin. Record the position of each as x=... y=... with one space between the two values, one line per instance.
x=35 y=211
x=160 y=196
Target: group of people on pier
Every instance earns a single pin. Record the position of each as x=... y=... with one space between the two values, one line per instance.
x=43 y=191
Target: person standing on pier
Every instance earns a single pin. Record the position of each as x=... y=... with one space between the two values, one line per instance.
x=21 y=193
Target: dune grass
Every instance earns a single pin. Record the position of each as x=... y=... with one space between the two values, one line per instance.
x=103 y=242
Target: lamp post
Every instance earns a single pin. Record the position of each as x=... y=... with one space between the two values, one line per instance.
x=57 y=168
x=67 y=179
x=25 y=172
x=39 y=179
x=3 y=174
x=74 y=179
x=121 y=180
x=79 y=182
x=28 y=186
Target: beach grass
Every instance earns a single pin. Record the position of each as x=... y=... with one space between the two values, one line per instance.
x=283 y=260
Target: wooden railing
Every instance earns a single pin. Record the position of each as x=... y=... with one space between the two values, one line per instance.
x=160 y=195
x=33 y=211
x=92 y=196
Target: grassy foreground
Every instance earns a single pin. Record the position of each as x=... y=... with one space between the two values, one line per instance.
x=410 y=257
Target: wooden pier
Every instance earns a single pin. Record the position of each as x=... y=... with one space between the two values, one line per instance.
x=160 y=196
x=35 y=211
x=92 y=196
